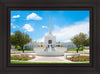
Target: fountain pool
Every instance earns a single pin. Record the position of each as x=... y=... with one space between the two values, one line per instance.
x=50 y=52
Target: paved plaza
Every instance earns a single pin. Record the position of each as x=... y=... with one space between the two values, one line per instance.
x=49 y=59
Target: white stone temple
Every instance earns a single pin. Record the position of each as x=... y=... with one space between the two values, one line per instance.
x=50 y=46
x=49 y=39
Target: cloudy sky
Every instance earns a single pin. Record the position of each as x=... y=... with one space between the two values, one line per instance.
x=64 y=24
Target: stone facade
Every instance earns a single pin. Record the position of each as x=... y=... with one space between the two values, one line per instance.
x=49 y=39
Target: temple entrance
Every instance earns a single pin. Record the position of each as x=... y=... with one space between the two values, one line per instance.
x=49 y=41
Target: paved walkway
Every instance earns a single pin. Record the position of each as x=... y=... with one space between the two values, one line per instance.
x=49 y=59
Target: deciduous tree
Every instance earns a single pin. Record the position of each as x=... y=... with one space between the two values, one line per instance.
x=20 y=39
x=79 y=40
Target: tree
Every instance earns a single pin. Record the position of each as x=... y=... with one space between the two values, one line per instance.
x=41 y=44
x=13 y=40
x=59 y=44
x=79 y=40
x=76 y=41
x=86 y=42
x=20 y=39
x=82 y=38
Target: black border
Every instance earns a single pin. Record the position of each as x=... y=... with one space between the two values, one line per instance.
x=5 y=4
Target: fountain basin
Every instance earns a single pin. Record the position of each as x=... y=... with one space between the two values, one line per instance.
x=53 y=53
x=58 y=51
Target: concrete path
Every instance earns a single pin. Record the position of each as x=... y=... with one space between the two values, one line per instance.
x=49 y=59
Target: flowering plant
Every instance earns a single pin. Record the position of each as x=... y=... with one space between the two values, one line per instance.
x=18 y=57
x=79 y=58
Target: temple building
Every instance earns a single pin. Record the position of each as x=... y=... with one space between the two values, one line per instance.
x=49 y=39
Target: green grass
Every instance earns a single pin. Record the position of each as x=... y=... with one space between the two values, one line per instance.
x=74 y=49
x=26 y=50
x=21 y=62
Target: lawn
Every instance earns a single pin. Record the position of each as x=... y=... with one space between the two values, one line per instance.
x=21 y=62
x=74 y=49
x=25 y=49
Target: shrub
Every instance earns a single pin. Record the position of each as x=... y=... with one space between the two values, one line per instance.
x=25 y=47
x=17 y=47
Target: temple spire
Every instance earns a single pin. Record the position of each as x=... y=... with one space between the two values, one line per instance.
x=50 y=26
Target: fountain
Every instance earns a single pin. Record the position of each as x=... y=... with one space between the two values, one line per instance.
x=50 y=48
x=50 y=52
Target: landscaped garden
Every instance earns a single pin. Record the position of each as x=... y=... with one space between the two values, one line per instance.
x=79 y=58
x=21 y=58
x=18 y=59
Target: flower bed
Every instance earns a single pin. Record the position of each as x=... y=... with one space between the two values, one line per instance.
x=18 y=57
x=79 y=58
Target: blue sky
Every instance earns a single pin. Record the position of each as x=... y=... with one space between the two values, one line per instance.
x=64 y=24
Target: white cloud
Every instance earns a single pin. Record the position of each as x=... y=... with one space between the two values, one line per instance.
x=16 y=16
x=28 y=27
x=14 y=26
x=41 y=39
x=44 y=27
x=66 y=33
x=33 y=16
